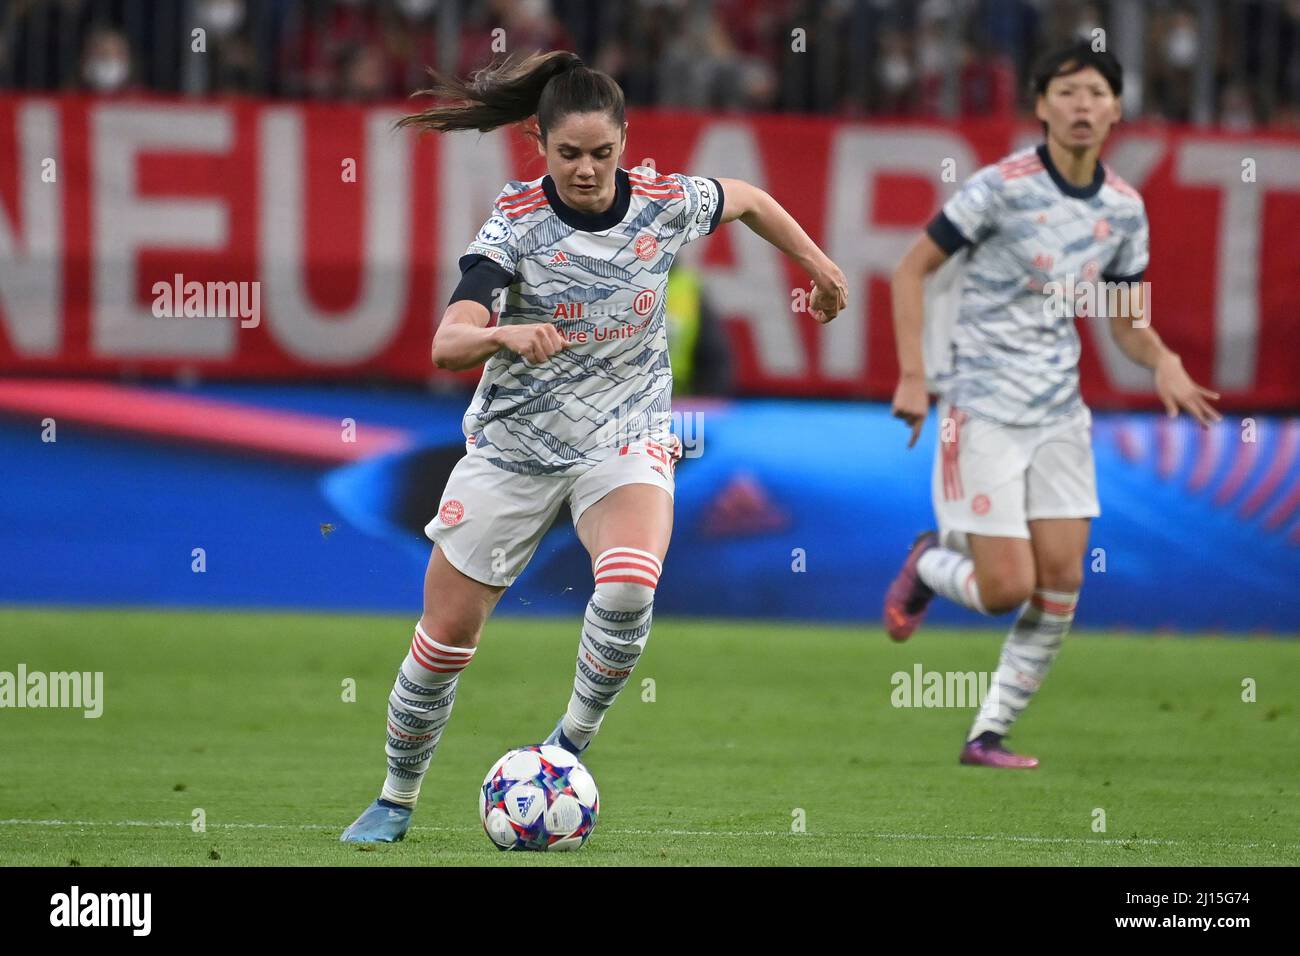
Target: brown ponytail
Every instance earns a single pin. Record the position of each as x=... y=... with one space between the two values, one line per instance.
x=550 y=85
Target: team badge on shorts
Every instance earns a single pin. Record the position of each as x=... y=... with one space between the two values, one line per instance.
x=646 y=247
x=980 y=504
x=451 y=512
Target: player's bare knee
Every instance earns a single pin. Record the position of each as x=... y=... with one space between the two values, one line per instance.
x=1065 y=578
x=1006 y=600
x=452 y=633
x=1005 y=591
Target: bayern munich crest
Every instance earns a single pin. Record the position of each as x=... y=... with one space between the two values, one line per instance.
x=646 y=247
x=451 y=512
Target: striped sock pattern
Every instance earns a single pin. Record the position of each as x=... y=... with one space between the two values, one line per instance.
x=1027 y=654
x=614 y=633
x=951 y=574
x=418 y=709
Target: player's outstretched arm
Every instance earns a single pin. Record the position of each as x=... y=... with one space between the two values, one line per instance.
x=463 y=339
x=911 y=400
x=767 y=218
x=1136 y=339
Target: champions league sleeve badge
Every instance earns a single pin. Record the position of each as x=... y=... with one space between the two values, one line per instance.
x=494 y=231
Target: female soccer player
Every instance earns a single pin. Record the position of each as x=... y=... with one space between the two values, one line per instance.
x=1013 y=481
x=574 y=401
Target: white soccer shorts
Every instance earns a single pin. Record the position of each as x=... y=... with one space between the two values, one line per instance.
x=490 y=521
x=993 y=479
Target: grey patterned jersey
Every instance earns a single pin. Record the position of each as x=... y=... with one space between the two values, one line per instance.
x=1009 y=360
x=600 y=279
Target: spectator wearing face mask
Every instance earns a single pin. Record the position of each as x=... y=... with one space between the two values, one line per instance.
x=231 y=61
x=1236 y=111
x=895 y=76
x=106 y=62
x=1177 y=50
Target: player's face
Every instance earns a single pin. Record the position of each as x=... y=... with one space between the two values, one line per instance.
x=1079 y=109
x=582 y=153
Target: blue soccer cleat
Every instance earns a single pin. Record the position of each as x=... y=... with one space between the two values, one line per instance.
x=557 y=739
x=381 y=822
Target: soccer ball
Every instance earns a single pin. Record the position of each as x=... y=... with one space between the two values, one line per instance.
x=539 y=798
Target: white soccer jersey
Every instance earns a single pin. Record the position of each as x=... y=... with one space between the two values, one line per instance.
x=1010 y=361
x=600 y=279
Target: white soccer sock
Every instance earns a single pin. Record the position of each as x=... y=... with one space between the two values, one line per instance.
x=614 y=633
x=951 y=574
x=418 y=709
x=1027 y=654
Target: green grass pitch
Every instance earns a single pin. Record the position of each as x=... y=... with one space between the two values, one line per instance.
x=242 y=715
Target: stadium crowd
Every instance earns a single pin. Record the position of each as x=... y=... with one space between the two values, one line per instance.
x=1234 y=63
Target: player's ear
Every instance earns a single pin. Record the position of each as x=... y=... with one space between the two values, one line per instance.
x=1040 y=108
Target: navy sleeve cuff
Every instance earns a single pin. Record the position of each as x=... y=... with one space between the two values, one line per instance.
x=1135 y=277
x=717 y=212
x=479 y=279
x=945 y=235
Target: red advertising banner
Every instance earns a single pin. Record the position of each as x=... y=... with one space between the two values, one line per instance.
x=331 y=240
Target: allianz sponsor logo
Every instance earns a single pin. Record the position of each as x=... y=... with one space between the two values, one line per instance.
x=642 y=304
x=75 y=908
x=75 y=690
x=922 y=688
x=621 y=328
x=585 y=310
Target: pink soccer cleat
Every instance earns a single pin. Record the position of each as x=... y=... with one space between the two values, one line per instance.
x=908 y=596
x=986 y=750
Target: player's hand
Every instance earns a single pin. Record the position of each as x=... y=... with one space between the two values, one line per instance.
x=911 y=404
x=830 y=293
x=535 y=342
x=1177 y=390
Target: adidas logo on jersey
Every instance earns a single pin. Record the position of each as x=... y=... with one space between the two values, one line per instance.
x=560 y=259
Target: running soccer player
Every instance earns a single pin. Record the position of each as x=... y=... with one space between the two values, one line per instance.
x=1013 y=481
x=574 y=401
